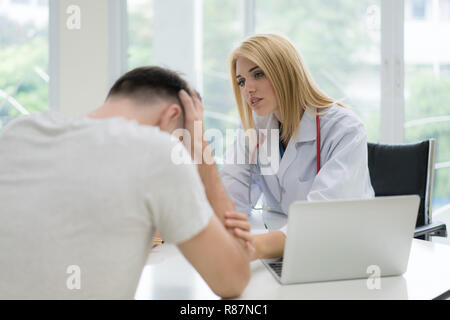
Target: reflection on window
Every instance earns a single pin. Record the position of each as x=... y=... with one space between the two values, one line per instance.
x=418 y=8
x=23 y=58
x=140 y=33
x=427 y=83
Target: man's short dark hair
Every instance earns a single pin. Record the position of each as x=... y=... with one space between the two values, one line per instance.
x=149 y=84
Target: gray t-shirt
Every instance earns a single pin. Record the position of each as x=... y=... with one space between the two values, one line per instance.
x=80 y=201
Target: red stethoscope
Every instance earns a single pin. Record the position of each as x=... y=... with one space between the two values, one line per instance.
x=318 y=143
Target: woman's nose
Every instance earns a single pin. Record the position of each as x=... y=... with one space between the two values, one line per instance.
x=250 y=87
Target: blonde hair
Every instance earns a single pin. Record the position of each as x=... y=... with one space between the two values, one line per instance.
x=295 y=89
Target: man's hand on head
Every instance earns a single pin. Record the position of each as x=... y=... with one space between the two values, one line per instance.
x=193 y=108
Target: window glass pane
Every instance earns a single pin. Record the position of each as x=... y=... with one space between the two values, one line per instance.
x=23 y=58
x=222 y=32
x=140 y=33
x=340 y=43
x=427 y=89
x=418 y=9
x=444 y=6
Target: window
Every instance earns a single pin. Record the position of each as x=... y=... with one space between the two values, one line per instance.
x=20 y=1
x=23 y=59
x=418 y=9
x=444 y=6
x=340 y=43
x=140 y=33
x=427 y=94
x=222 y=32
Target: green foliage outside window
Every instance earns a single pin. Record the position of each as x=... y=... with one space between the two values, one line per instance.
x=23 y=69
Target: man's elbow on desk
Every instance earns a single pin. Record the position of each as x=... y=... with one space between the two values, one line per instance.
x=235 y=283
x=219 y=259
x=234 y=276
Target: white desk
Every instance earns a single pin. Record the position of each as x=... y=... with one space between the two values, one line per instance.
x=168 y=275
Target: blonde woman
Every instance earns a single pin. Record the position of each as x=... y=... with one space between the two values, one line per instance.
x=321 y=148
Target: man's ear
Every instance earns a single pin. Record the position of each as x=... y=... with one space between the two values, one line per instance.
x=169 y=117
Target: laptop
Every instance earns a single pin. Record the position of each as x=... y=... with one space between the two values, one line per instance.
x=346 y=239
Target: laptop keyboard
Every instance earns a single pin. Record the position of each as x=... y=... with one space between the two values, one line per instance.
x=277 y=266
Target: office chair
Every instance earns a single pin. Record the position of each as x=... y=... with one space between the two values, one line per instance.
x=407 y=169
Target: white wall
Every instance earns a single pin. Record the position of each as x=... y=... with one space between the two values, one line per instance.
x=84 y=60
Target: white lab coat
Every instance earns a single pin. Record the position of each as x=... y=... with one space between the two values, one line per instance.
x=344 y=172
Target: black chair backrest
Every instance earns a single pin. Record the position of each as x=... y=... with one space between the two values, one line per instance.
x=400 y=170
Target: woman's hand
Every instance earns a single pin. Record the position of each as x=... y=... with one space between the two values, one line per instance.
x=237 y=223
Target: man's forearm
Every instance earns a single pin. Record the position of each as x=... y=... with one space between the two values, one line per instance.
x=215 y=191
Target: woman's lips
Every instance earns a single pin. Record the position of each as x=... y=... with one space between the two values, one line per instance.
x=255 y=101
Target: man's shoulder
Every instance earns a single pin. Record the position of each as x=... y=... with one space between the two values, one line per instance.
x=144 y=140
x=132 y=130
x=23 y=121
x=128 y=137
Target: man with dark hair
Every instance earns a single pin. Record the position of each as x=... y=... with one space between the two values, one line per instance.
x=81 y=199
x=151 y=85
x=146 y=86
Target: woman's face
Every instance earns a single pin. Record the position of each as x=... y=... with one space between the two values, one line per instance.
x=256 y=88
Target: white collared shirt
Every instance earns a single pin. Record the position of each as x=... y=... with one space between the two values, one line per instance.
x=344 y=172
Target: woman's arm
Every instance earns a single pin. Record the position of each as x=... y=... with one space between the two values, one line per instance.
x=235 y=175
x=265 y=246
x=269 y=245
